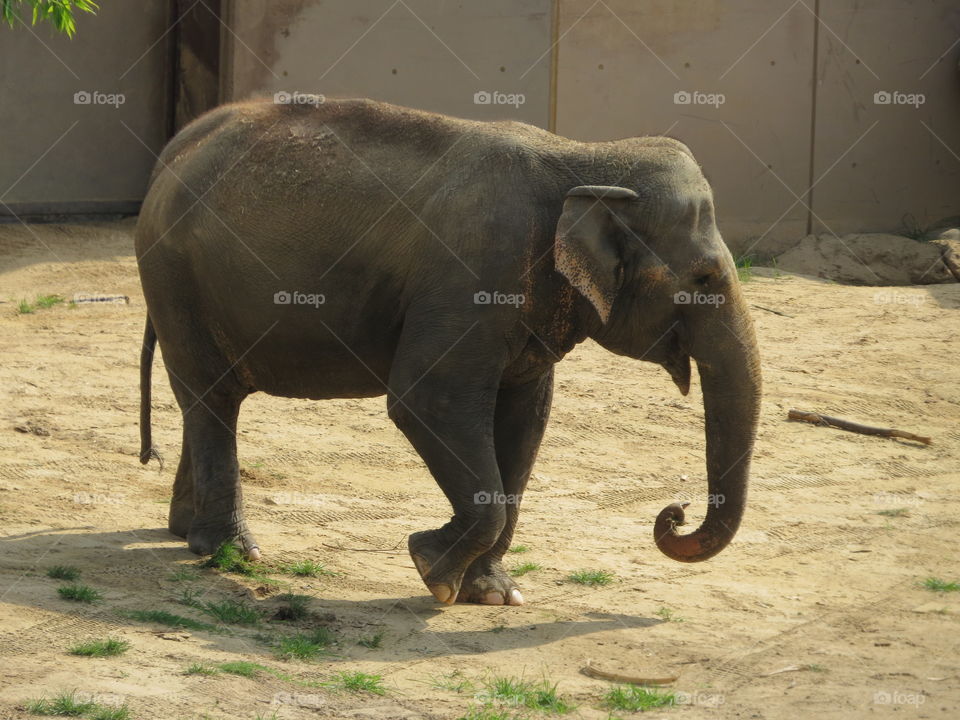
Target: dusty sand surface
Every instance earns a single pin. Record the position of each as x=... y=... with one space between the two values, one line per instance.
x=818 y=584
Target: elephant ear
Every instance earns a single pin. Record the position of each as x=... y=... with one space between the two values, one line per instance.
x=586 y=252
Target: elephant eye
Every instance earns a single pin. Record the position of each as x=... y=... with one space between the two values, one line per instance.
x=702 y=280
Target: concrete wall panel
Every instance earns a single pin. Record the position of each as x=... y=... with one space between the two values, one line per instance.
x=882 y=162
x=63 y=156
x=622 y=62
x=419 y=53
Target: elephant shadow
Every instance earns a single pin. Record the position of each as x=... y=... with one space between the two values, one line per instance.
x=135 y=570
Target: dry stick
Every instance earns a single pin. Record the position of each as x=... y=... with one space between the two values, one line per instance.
x=590 y=670
x=826 y=420
x=771 y=310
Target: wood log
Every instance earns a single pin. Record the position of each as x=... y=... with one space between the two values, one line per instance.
x=826 y=420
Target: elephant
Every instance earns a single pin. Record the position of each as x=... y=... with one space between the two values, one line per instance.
x=348 y=248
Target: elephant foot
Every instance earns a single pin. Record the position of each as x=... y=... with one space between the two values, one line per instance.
x=205 y=539
x=484 y=581
x=487 y=583
x=180 y=518
x=435 y=567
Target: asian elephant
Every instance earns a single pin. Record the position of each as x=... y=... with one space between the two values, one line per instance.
x=350 y=248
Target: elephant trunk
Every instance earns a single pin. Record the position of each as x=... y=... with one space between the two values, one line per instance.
x=725 y=349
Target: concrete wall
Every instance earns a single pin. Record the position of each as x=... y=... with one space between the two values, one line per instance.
x=772 y=95
x=421 y=53
x=797 y=83
x=879 y=162
x=622 y=65
x=60 y=156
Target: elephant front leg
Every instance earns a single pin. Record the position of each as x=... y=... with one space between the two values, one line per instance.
x=445 y=407
x=520 y=420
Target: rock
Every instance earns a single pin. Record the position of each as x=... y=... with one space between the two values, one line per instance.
x=941 y=226
x=868 y=259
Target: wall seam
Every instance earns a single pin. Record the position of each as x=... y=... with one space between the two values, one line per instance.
x=225 y=89
x=554 y=66
x=813 y=114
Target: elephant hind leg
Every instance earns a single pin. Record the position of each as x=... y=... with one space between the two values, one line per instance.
x=181 y=505
x=210 y=428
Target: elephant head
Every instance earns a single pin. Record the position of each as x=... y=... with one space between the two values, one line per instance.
x=648 y=257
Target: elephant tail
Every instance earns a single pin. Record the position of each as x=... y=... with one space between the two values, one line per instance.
x=147 y=450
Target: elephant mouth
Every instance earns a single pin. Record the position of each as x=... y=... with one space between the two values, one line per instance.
x=677 y=363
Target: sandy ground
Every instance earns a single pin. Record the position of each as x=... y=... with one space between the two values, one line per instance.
x=818 y=585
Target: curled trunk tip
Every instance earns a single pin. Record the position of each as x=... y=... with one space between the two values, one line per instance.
x=702 y=544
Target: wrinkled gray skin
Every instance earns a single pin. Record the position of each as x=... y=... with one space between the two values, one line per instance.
x=399 y=217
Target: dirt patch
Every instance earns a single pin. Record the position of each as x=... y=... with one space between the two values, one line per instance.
x=815 y=608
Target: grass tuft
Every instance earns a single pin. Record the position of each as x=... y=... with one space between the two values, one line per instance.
x=41 y=302
x=48 y=301
x=518 y=692
x=306 y=646
x=633 y=698
x=231 y=612
x=894 y=512
x=372 y=642
x=938 y=585
x=201 y=669
x=294 y=607
x=80 y=593
x=309 y=568
x=745 y=268
x=110 y=647
x=243 y=668
x=162 y=617
x=358 y=682
x=63 y=572
x=524 y=568
x=230 y=558
x=667 y=615
x=66 y=704
x=110 y=713
x=519 y=549
x=592 y=578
